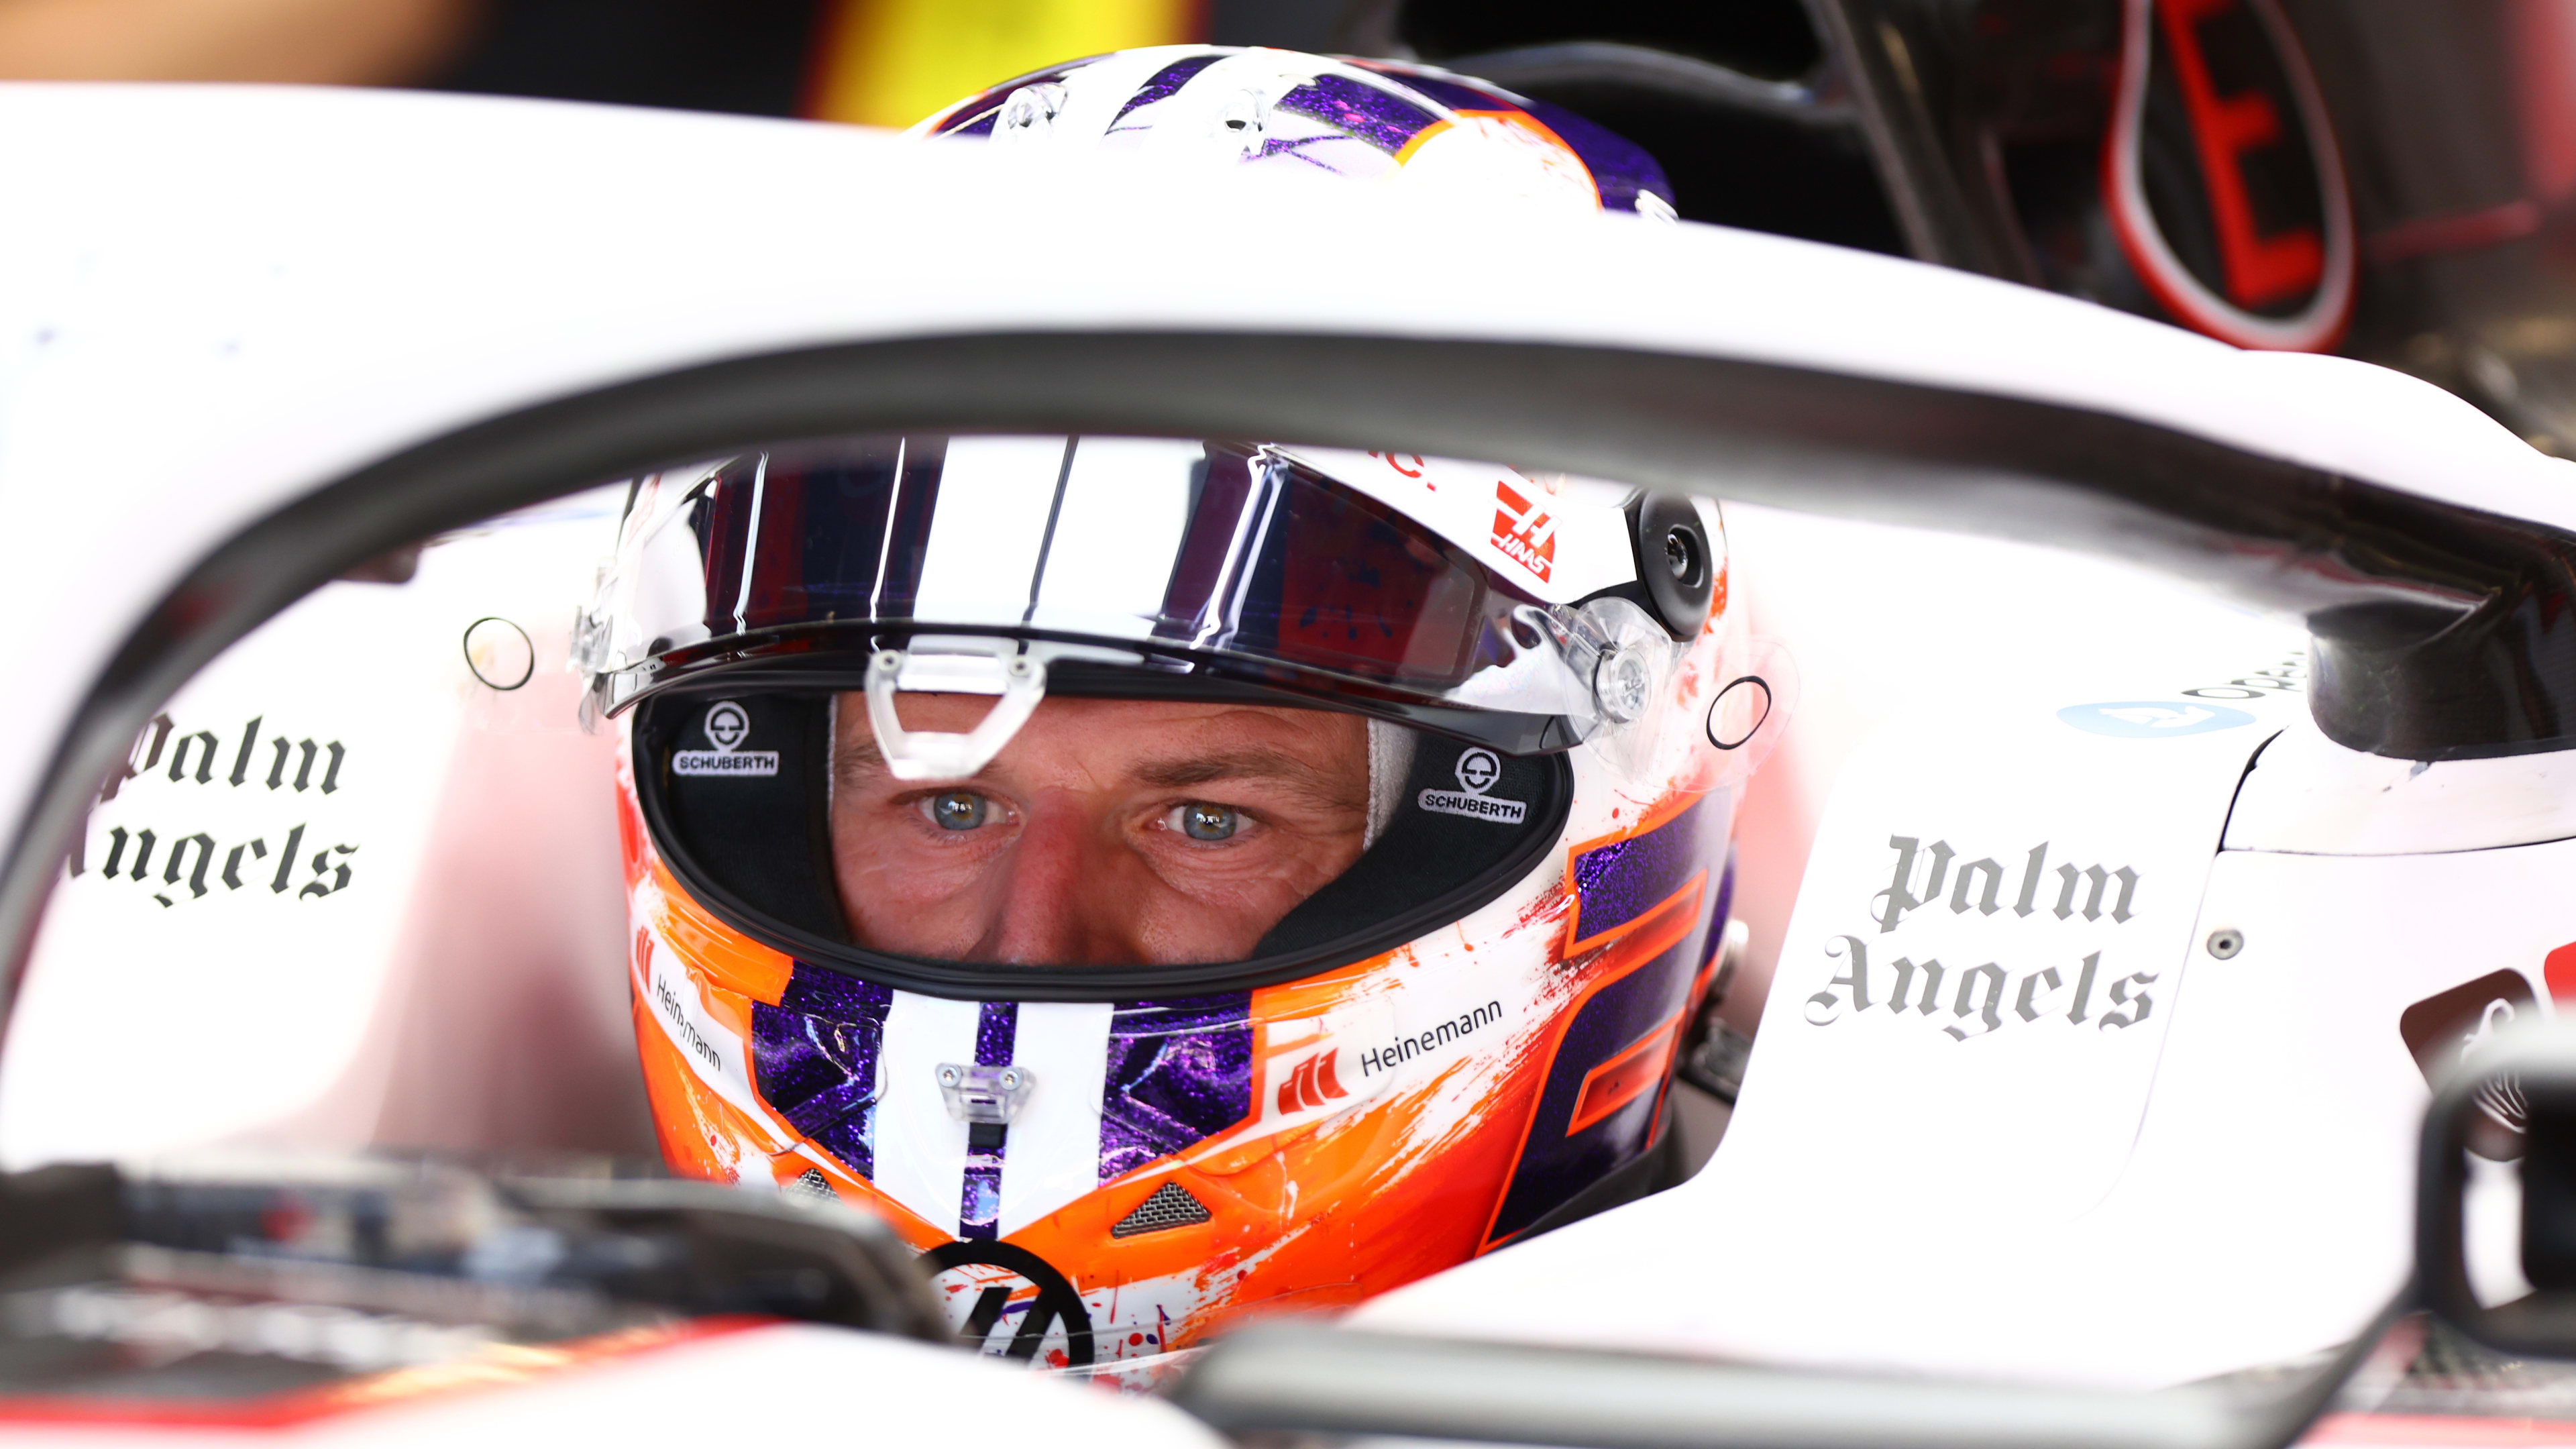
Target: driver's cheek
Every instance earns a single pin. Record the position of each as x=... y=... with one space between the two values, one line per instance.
x=1215 y=903
x=904 y=895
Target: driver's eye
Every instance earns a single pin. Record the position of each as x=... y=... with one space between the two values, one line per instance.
x=957 y=809
x=1208 y=822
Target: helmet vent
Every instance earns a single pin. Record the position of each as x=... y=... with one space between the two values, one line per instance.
x=1171 y=1206
x=812 y=1186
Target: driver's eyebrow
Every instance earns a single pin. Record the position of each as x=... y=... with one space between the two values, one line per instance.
x=854 y=760
x=1286 y=770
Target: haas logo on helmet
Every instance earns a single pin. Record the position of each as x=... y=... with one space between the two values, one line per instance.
x=1524 y=532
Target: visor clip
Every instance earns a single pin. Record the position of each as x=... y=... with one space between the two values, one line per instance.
x=938 y=755
x=982 y=1095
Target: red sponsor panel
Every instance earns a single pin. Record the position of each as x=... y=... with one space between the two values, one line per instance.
x=2558 y=969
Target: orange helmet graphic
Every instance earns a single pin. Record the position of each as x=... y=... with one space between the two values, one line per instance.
x=1111 y=1127
x=1463 y=1037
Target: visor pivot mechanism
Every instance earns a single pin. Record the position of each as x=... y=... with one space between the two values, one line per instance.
x=984 y=1095
x=1623 y=682
x=937 y=755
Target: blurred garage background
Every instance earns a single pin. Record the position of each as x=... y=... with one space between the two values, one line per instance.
x=878 y=62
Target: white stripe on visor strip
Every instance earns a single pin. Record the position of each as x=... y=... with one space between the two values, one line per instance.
x=920 y=1149
x=885 y=545
x=990 y=528
x=1052 y=1155
x=751 y=545
x=1225 y=607
x=1126 y=503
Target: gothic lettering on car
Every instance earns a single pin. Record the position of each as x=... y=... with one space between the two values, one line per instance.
x=190 y=864
x=1980 y=1000
x=1983 y=885
x=197 y=755
x=184 y=866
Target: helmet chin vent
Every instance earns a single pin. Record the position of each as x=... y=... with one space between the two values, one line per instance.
x=1171 y=1206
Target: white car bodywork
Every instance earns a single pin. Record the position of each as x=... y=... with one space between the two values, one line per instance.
x=221 y=300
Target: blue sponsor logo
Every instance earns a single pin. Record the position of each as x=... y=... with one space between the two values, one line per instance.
x=2152 y=719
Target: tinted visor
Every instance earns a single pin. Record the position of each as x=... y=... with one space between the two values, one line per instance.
x=1185 y=559
x=765 y=851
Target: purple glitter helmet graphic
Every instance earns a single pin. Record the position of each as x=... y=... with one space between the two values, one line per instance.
x=1368 y=120
x=1461 y=1030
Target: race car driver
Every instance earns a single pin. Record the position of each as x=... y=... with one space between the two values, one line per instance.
x=1108 y=832
x=1171 y=878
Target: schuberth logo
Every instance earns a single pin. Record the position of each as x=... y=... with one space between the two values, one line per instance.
x=726 y=726
x=1524 y=532
x=1477 y=770
x=1985 y=998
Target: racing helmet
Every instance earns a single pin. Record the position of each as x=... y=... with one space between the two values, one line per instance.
x=1464 y=1037
x=1410 y=125
x=1109 y=1139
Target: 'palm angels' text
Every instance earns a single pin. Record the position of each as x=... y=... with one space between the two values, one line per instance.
x=1985 y=998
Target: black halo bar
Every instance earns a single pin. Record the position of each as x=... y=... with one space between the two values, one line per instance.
x=1288 y=1378
x=2441 y=632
